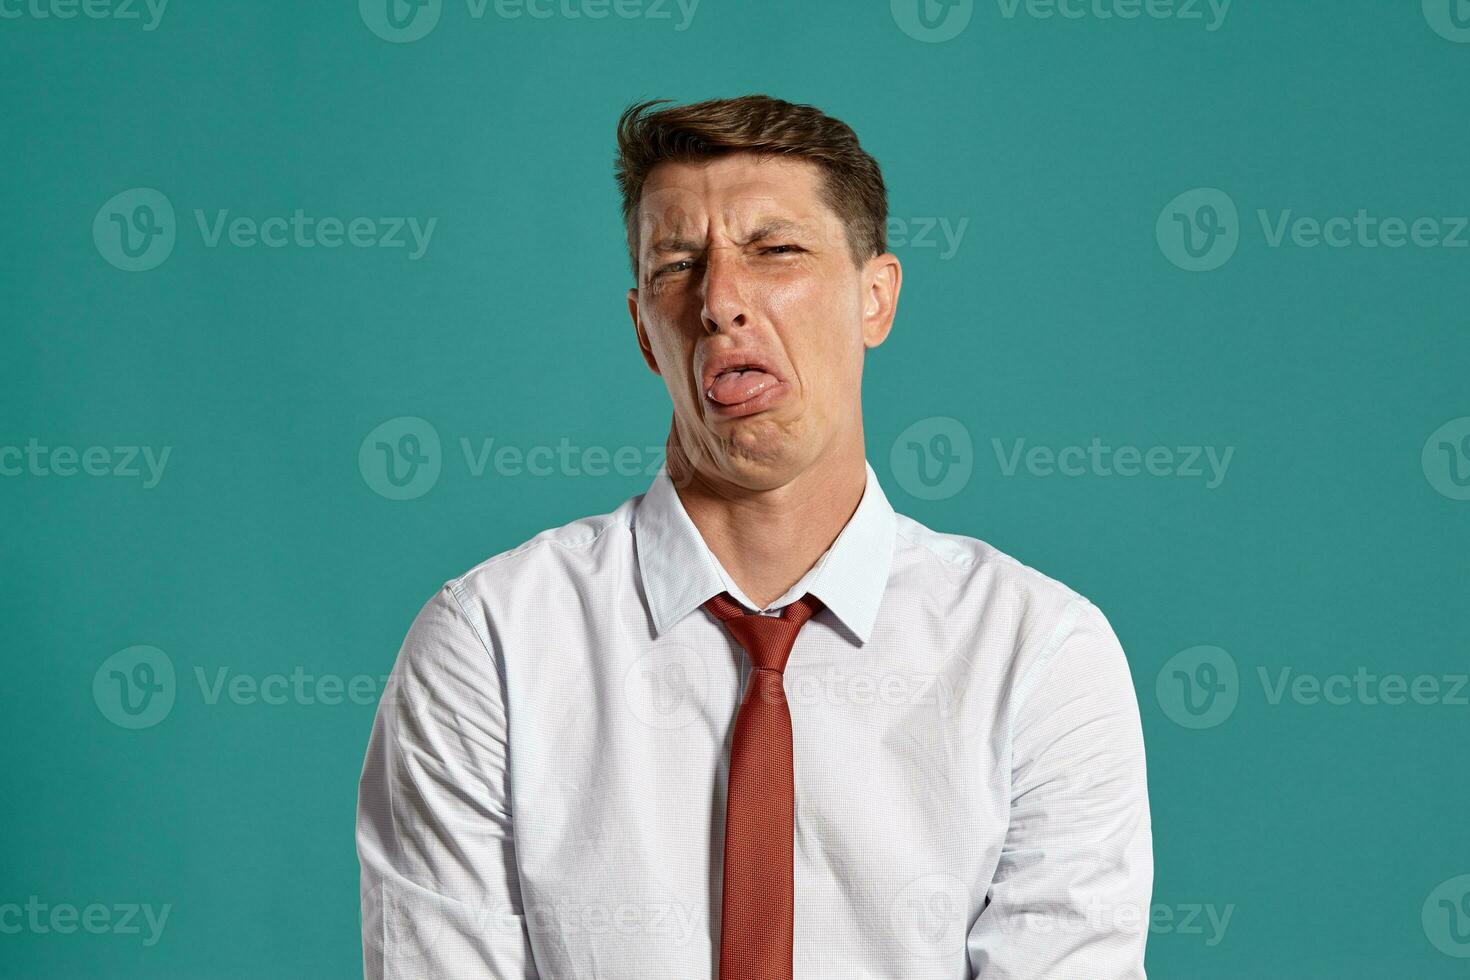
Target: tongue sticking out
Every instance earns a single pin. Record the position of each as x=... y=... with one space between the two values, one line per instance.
x=734 y=387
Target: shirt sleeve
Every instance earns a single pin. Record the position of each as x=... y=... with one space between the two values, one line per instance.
x=1070 y=894
x=439 y=887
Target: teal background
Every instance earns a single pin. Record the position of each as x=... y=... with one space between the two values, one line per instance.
x=265 y=548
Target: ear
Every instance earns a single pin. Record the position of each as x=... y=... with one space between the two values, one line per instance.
x=642 y=334
x=881 y=280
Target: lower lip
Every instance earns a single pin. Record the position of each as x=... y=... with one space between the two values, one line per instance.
x=762 y=401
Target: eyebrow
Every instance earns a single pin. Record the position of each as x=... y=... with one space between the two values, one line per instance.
x=769 y=227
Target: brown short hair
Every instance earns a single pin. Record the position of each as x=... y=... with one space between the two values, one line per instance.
x=852 y=185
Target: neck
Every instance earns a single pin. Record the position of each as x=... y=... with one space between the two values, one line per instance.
x=768 y=539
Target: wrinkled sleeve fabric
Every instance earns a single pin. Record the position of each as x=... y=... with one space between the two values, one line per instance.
x=439 y=886
x=1070 y=894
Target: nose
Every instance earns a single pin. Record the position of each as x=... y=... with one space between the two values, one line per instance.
x=724 y=291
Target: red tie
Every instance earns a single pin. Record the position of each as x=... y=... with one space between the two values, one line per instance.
x=760 y=810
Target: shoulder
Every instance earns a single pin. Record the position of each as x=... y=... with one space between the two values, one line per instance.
x=970 y=564
x=562 y=553
x=1004 y=602
x=462 y=620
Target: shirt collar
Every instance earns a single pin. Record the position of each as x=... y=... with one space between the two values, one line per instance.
x=680 y=572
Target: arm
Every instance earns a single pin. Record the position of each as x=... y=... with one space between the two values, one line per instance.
x=440 y=889
x=1070 y=894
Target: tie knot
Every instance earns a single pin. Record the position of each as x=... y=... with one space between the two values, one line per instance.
x=767 y=639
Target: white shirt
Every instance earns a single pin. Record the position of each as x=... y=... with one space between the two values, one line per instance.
x=544 y=792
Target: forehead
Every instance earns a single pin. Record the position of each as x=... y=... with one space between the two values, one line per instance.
x=733 y=188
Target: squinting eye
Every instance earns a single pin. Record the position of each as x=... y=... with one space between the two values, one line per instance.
x=777 y=248
x=671 y=267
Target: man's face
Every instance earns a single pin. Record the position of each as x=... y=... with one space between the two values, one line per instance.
x=741 y=265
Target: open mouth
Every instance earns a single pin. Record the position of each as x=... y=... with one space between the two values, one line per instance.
x=740 y=386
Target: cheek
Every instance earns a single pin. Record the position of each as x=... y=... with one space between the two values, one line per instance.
x=831 y=360
x=673 y=352
x=796 y=293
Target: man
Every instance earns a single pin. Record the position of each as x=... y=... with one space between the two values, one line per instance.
x=752 y=723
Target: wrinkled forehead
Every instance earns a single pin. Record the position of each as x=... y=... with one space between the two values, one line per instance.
x=735 y=196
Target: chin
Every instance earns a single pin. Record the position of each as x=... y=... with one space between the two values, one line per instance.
x=764 y=455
